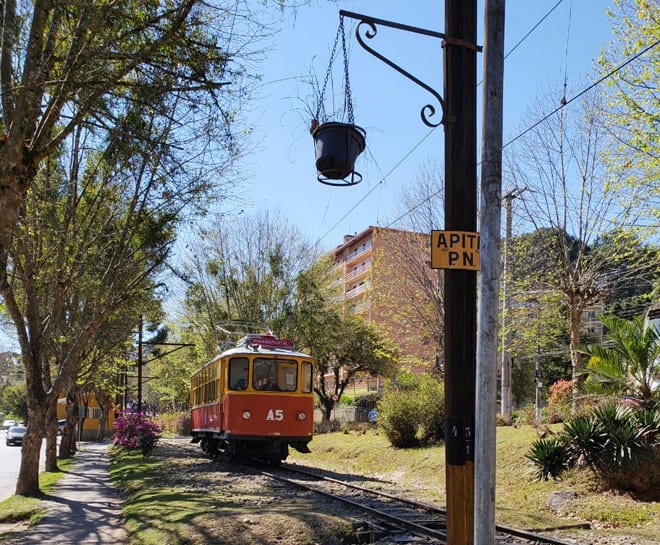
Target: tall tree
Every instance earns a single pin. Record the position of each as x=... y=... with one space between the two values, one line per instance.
x=421 y=211
x=147 y=83
x=632 y=98
x=70 y=63
x=243 y=275
x=561 y=162
x=90 y=238
x=351 y=348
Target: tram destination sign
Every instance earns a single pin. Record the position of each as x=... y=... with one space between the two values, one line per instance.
x=455 y=250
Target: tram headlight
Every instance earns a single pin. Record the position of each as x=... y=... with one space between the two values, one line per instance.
x=301 y=416
x=247 y=415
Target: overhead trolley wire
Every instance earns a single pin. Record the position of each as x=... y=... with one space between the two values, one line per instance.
x=549 y=115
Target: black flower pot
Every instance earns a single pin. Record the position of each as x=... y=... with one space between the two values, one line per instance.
x=337 y=148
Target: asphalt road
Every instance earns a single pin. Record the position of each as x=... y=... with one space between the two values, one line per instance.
x=10 y=463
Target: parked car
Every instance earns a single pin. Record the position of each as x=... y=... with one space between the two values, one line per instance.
x=60 y=426
x=15 y=435
x=8 y=424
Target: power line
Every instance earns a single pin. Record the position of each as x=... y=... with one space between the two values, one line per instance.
x=546 y=117
x=584 y=91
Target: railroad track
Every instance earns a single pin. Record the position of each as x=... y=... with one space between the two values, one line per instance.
x=389 y=519
x=392 y=519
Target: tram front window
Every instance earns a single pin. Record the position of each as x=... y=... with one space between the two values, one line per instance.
x=275 y=375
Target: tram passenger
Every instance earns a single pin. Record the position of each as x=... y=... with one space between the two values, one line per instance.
x=271 y=383
x=242 y=383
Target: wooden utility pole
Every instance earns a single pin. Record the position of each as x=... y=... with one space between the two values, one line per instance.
x=489 y=277
x=460 y=286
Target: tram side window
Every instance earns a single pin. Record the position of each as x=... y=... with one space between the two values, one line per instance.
x=307 y=376
x=238 y=373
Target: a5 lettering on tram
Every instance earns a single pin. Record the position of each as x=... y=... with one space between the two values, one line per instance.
x=254 y=401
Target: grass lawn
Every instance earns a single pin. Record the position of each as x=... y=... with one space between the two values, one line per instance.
x=521 y=501
x=21 y=508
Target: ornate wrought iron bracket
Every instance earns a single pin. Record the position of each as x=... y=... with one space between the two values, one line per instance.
x=370 y=30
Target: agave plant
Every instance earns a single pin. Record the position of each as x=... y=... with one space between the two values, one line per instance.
x=584 y=440
x=625 y=442
x=551 y=457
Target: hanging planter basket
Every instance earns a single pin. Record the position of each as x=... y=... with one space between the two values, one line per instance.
x=338 y=144
x=337 y=147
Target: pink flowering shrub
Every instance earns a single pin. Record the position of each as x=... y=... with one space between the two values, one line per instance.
x=135 y=431
x=559 y=401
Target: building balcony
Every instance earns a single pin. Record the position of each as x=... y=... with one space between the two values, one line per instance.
x=359 y=271
x=360 y=254
x=357 y=290
x=359 y=308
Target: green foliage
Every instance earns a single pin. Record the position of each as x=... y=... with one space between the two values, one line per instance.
x=432 y=413
x=174 y=423
x=406 y=381
x=366 y=401
x=410 y=416
x=13 y=401
x=583 y=438
x=399 y=418
x=632 y=101
x=550 y=456
x=353 y=347
x=619 y=442
x=627 y=362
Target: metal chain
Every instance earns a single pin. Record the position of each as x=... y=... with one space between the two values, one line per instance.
x=348 y=102
x=321 y=106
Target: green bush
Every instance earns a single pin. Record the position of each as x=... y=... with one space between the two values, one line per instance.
x=399 y=418
x=174 y=423
x=366 y=401
x=551 y=457
x=432 y=411
x=412 y=415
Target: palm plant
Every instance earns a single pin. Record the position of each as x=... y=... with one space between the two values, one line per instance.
x=627 y=363
x=624 y=441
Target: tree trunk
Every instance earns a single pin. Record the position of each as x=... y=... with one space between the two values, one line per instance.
x=68 y=441
x=28 y=475
x=575 y=317
x=51 y=436
x=326 y=408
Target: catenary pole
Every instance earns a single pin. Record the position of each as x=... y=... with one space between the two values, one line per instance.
x=487 y=310
x=505 y=401
x=460 y=284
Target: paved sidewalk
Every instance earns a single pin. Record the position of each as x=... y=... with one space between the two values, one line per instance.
x=83 y=509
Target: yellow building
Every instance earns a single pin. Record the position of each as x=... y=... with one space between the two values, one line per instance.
x=90 y=414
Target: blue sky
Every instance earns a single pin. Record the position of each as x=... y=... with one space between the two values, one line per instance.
x=280 y=171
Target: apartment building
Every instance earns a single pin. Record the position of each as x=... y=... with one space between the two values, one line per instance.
x=385 y=276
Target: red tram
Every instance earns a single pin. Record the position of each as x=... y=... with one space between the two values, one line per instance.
x=254 y=400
